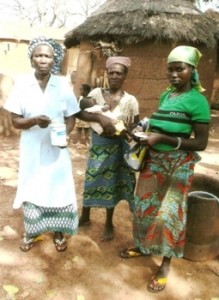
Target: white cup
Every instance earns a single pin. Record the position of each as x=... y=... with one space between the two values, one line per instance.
x=58 y=134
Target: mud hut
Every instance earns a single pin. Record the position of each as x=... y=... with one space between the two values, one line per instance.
x=145 y=31
x=214 y=15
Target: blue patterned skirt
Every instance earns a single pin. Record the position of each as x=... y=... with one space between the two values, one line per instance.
x=108 y=180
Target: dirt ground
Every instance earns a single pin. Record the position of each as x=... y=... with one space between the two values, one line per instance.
x=91 y=269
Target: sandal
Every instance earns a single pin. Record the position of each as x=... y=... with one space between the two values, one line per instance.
x=26 y=244
x=60 y=244
x=131 y=253
x=157 y=285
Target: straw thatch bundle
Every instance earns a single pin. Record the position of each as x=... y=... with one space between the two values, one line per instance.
x=214 y=15
x=131 y=22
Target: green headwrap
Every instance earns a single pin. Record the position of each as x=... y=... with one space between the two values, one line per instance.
x=191 y=56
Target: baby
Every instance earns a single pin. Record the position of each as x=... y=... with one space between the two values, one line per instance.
x=90 y=105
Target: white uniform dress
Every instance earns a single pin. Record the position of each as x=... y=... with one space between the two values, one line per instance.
x=45 y=171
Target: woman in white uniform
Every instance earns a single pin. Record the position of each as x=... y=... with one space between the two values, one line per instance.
x=46 y=189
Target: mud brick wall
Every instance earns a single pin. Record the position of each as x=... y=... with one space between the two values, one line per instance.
x=147 y=76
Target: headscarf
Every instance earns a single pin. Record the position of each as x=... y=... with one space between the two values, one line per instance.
x=191 y=56
x=126 y=61
x=57 y=49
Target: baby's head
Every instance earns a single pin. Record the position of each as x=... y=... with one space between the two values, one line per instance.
x=87 y=102
x=84 y=89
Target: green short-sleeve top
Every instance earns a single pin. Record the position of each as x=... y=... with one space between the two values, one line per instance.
x=175 y=116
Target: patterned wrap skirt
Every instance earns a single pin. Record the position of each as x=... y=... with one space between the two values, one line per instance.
x=161 y=203
x=108 y=180
x=38 y=219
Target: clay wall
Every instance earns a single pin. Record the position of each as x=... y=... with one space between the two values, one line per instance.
x=147 y=76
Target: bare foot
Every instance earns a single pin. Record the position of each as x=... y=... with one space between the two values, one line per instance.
x=108 y=234
x=84 y=222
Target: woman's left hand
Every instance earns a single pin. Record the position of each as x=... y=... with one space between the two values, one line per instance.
x=107 y=124
x=150 y=140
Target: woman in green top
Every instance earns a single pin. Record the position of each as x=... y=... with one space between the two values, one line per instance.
x=178 y=128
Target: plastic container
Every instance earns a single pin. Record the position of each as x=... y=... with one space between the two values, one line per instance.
x=202 y=232
x=58 y=135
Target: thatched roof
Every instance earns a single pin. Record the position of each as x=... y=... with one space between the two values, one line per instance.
x=134 y=21
x=214 y=15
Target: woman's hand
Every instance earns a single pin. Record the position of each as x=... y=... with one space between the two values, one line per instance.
x=19 y=122
x=42 y=121
x=107 y=124
x=151 y=139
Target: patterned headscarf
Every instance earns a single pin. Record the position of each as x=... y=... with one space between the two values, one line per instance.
x=126 y=61
x=191 y=56
x=57 y=49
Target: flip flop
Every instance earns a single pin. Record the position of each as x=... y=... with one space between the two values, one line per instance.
x=27 y=244
x=157 y=285
x=60 y=244
x=131 y=253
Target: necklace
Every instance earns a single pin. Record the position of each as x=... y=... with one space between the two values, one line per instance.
x=116 y=97
x=177 y=98
x=174 y=93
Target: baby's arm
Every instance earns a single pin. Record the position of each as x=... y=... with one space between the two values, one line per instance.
x=105 y=107
x=96 y=109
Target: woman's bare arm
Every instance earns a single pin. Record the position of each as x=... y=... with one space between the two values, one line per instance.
x=197 y=143
x=70 y=124
x=19 y=122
